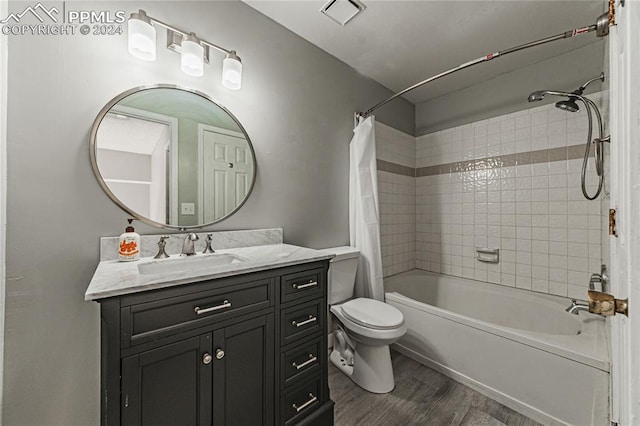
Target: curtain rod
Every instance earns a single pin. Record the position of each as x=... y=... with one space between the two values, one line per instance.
x=601 y=27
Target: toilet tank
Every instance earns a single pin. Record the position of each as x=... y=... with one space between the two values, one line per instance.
x=342 y=273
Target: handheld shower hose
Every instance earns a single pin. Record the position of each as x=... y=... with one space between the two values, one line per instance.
x=598 y=142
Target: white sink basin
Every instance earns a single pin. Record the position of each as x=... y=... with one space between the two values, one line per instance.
x=192 y=264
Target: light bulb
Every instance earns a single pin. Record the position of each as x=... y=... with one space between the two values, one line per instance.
x=192 y=58
x=141 y=37
x=232 y=71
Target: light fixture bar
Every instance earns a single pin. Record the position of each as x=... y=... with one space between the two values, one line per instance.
x=185 y=33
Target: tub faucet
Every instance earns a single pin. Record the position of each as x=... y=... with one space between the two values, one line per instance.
x=188 y=247
x=576 y=307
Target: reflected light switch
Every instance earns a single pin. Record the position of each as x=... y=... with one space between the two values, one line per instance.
x=188 y=209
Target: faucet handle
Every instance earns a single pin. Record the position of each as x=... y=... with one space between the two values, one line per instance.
x=208 y=242
x=602 y=279
x=595 y=279
x=161 y=244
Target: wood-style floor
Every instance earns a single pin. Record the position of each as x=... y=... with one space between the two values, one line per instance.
x=422 y=396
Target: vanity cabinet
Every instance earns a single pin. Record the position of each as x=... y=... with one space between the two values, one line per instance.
x=244 y=350
x=201 y=390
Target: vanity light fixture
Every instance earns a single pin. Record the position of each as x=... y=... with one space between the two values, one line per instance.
x=194 y=51
x=231 y=71
x=142 y=37
x=192 y=56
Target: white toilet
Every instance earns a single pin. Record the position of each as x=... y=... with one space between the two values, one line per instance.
x=365 y=327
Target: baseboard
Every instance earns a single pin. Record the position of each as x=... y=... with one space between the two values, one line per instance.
x=506 y=400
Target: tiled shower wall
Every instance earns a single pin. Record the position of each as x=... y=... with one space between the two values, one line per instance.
x=511 y=182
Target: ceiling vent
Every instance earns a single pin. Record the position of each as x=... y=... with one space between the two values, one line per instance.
x=342 y=11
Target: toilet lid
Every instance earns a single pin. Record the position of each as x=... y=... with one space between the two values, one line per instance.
x=372 y=314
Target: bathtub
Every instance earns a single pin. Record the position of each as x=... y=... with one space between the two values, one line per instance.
x=517 y=347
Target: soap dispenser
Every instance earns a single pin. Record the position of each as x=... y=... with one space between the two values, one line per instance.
x=129 y=246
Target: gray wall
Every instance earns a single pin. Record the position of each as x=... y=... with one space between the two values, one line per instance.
x=297 y=105
x=508 y=92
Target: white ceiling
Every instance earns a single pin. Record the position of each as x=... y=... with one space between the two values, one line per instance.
x=399 y=43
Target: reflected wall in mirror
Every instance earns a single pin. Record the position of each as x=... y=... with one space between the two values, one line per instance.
x=172 y=157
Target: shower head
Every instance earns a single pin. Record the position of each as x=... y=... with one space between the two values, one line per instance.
x=540 y=94
x=568 y=105
x=537 y=96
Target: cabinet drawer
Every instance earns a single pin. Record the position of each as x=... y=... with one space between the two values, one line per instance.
x=148 y=321
x=300 y=362
x=302 y=320
x=300 y=401
x=302 y=284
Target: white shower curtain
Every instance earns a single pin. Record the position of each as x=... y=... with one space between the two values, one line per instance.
x=364 y=217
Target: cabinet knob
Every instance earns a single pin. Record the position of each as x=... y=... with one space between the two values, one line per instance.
x=219 y=354
x=207 y=358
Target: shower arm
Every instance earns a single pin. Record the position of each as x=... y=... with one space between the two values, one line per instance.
x=601 y=27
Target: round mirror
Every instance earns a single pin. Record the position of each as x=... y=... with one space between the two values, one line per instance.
x=172 y=157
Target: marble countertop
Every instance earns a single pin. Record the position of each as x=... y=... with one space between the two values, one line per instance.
x=113 y=278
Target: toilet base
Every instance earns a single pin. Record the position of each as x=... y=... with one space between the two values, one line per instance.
x=340 y=363
x=371 y=369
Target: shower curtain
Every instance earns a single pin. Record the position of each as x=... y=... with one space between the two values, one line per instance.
x=364 y=217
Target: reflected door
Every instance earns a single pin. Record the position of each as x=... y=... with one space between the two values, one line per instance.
x=227 y=172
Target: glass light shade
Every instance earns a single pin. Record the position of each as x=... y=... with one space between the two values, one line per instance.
x=192 y=58
x=232 y=71
x=142 y=39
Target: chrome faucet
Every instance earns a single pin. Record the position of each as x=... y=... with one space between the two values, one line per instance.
x=188 y=247
x=576 y=307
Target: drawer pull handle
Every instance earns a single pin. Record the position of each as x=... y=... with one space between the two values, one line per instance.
x=306 y=404
x=312 y=359
x=311 y=283
x=305 y=322
x=198 y=310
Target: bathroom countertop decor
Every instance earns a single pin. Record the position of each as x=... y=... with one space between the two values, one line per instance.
x=220 y=240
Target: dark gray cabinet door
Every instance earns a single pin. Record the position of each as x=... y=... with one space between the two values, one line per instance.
x=170 y=385
x=243 y=376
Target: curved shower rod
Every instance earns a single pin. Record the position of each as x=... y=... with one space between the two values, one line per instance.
x=601 y=27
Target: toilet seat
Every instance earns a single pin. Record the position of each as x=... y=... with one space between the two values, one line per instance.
x=372 y=314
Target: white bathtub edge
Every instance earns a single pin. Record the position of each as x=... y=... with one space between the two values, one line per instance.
x=519 y=336
x=515 y=404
